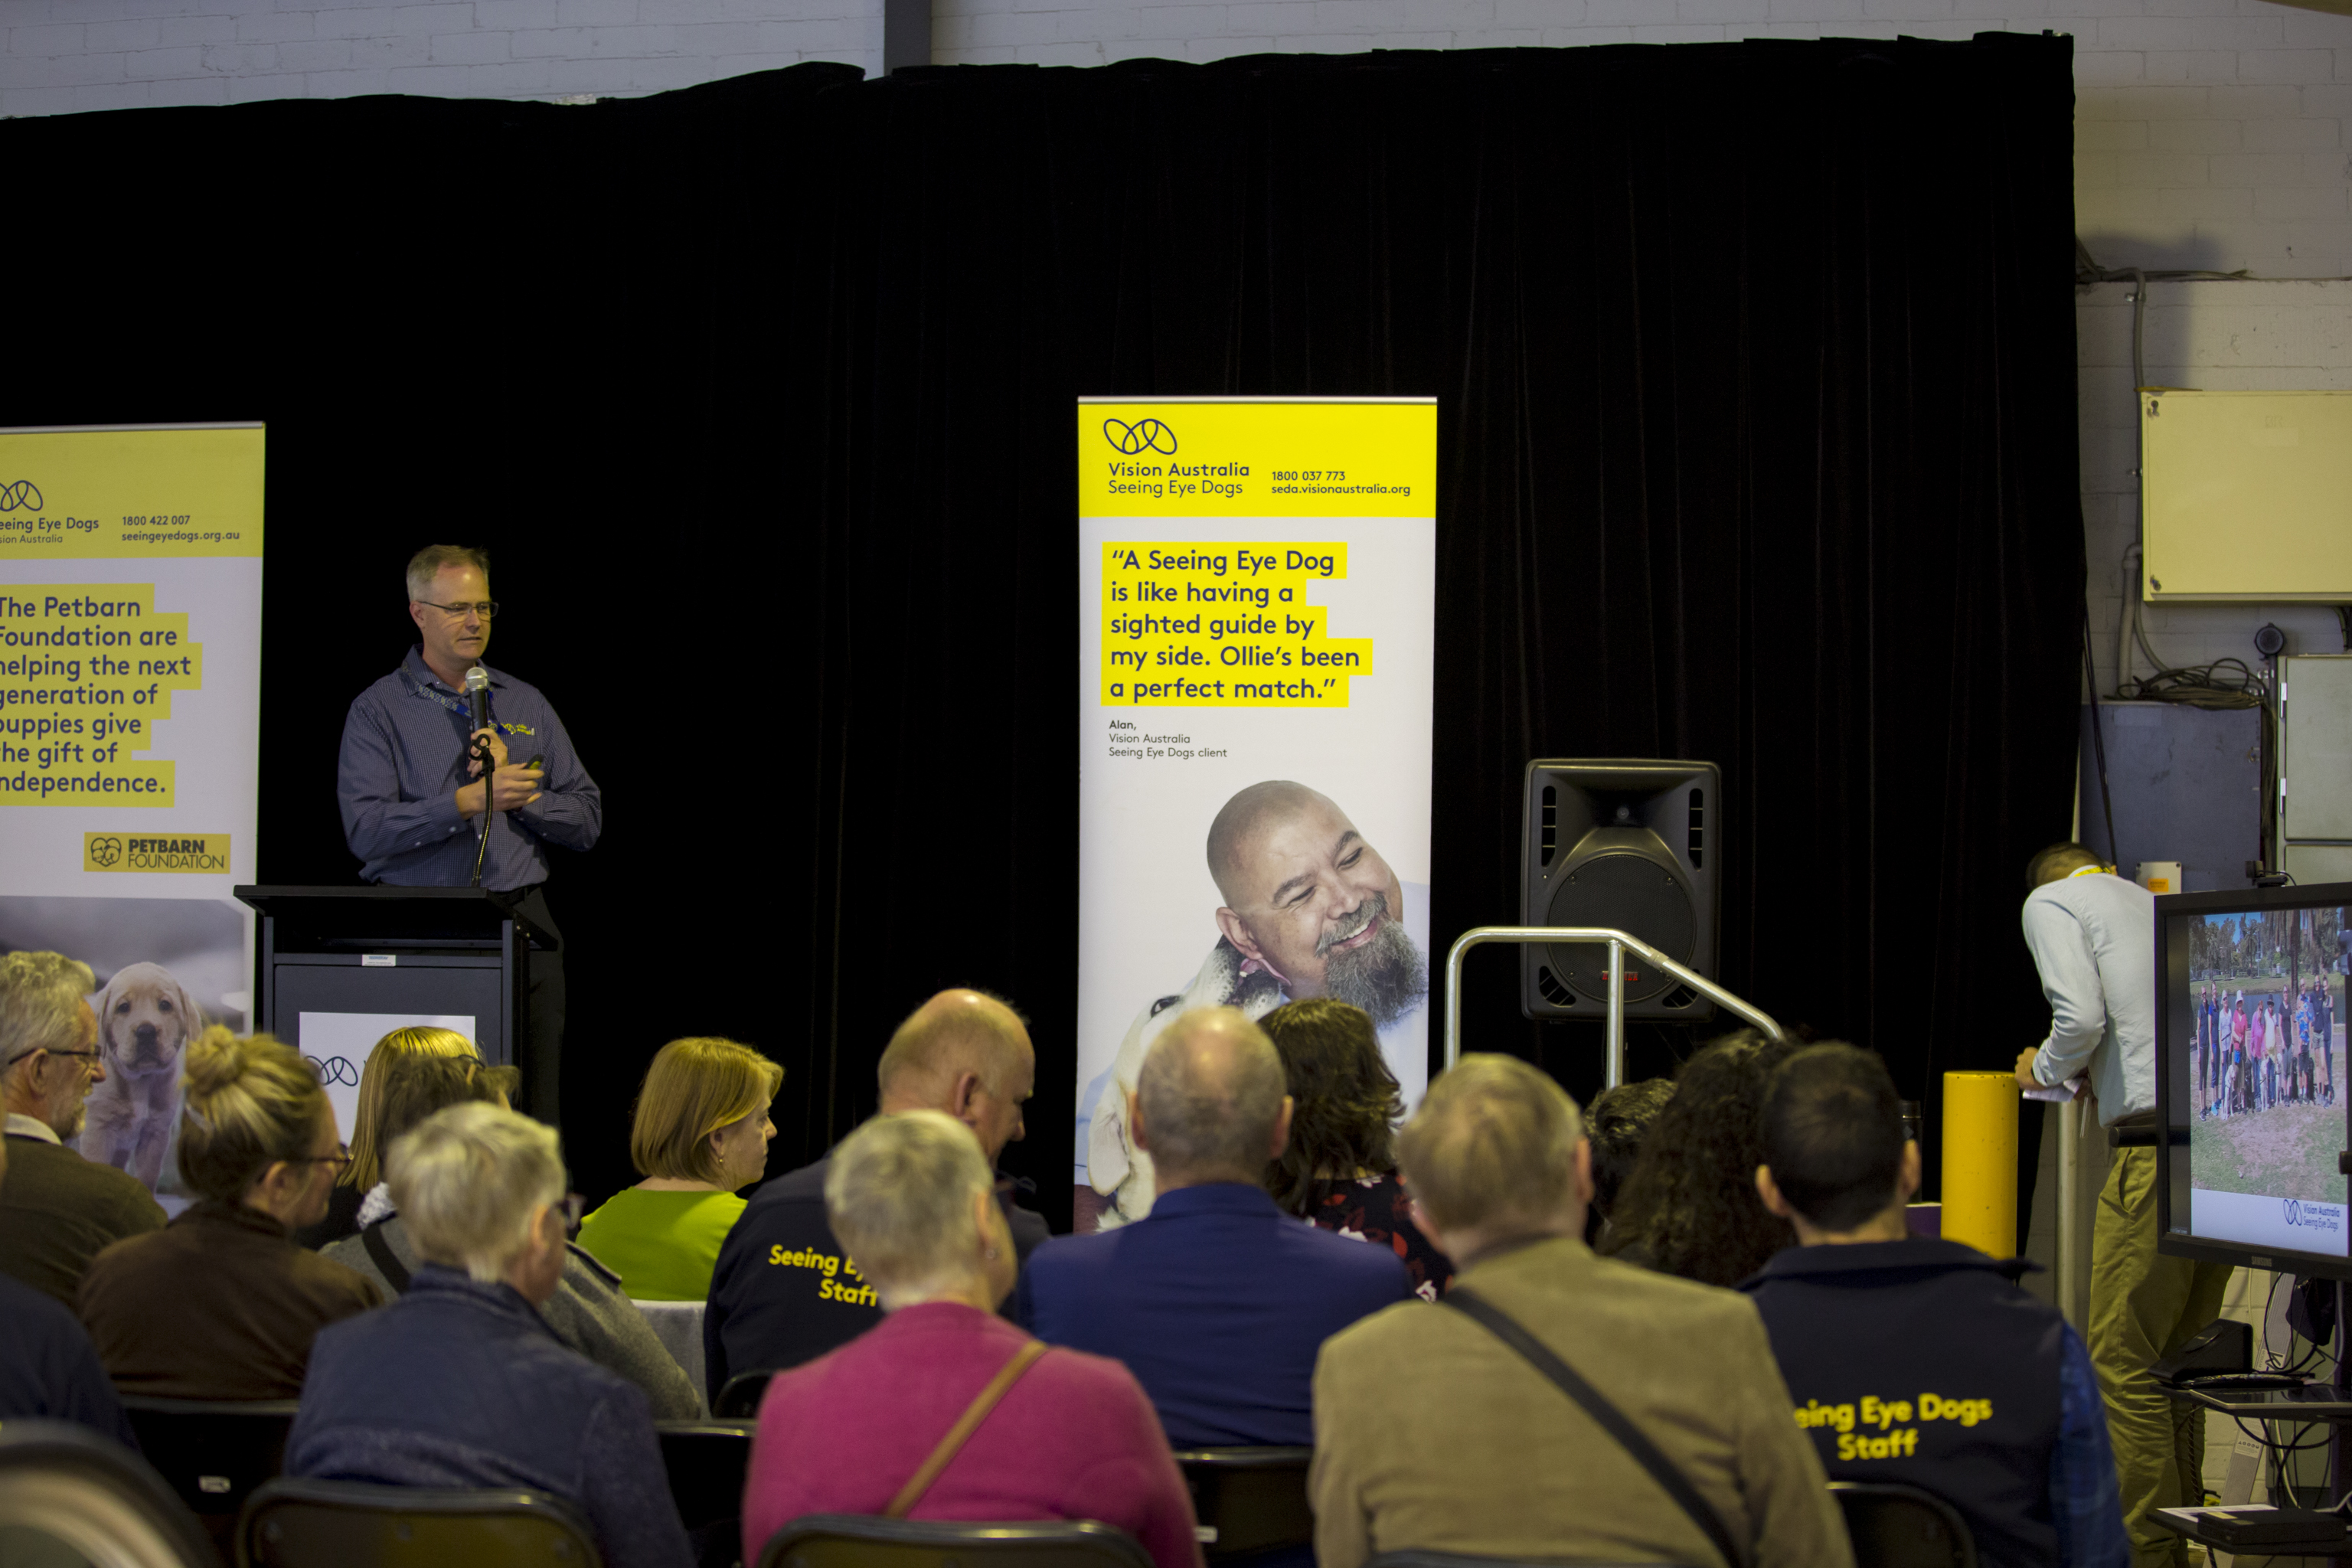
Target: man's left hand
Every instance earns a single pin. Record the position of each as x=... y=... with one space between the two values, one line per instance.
x=485 y=735
x=2025 y=1079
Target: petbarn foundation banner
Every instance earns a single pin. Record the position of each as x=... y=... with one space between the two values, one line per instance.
x=1256 y=593
x=129 y=723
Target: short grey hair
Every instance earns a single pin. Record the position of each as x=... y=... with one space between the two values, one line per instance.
x=1494 y=1145
x=41 y=997
x=426 y=564
x=899 y=1194
x=466 y=1180
x=1209 y=1109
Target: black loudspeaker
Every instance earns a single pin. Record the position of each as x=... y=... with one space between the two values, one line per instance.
x=1628 y=844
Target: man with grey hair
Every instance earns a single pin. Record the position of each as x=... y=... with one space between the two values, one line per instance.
x=1498 y=1458
x=58 y=1210
x=1218 y=1300
x=1309 y=908
x=783 y=1292
x=417 y=806
x=460 y=1383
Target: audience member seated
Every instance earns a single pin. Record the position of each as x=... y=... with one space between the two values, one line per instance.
x=1433 y=1433
x=459 y=1383
x=59 y=1210
x=49 y=1372
x=588 y=1310
x=912 y=1198
x=1690 y=1206
x=362 y=1178
x=1616 y=1124
x=1337 y=1169
x=700 y=1135
x=221 y=1304
x=1870 y=1323
x=784 y=1292
x=1216 y=1301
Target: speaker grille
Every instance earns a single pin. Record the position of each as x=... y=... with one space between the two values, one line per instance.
x=1551 y=823
x=1694 y=841
x=1553 y=992
x=1635 y=894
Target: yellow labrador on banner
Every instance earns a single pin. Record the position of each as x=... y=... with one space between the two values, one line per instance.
x=145 y=1018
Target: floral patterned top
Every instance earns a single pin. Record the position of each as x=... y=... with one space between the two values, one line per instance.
x=1372 y=1209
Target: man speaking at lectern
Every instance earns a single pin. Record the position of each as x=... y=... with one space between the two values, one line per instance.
x=414 y=803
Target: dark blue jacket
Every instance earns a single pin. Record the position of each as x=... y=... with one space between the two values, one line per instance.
x=1921 y=1361
x=784 y=1292
x=462 y=1385
x=49 y=1371
x=1217 y=1301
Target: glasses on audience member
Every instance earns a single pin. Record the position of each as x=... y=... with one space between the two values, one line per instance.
x=20 y=1056
x=487 y=608
x=338 y=1159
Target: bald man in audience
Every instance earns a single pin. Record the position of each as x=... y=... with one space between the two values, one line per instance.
x=1218 y=1300
x=1310 y=908
x=784 y=1292
x=1432 y=1433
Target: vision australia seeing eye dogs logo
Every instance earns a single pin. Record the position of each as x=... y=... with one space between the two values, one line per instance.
x=20 y=493
x=1143 y=436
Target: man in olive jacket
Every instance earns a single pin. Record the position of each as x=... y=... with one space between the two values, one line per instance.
x=1433 y=1433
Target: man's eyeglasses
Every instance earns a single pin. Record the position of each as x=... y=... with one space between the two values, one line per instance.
x=20 y=1056
x=487 y=609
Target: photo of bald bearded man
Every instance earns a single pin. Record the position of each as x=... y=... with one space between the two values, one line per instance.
x=1309 y=908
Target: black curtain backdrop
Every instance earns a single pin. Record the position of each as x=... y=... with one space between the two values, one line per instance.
x=1756 y=376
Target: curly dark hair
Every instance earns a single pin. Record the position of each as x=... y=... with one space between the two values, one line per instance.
x=1616 y=1123
x=1345 y=1101
x=1690 y=1206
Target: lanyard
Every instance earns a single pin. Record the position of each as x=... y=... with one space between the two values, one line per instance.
x=462 y=709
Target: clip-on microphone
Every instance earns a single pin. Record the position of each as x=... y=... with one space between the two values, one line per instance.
x=477 y=702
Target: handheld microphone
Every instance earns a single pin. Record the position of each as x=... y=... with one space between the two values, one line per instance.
x=478 y=697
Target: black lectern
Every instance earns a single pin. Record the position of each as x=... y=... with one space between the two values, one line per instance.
x=417 y=951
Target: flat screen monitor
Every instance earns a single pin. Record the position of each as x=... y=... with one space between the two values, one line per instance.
x=2250 y=1077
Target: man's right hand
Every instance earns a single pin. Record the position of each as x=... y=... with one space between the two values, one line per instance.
x=514 y=785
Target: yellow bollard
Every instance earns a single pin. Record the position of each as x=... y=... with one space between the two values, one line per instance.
x=1980 y=1161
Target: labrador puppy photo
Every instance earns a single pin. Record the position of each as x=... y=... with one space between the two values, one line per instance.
x=144 y=1019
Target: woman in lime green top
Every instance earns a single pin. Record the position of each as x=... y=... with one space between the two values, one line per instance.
x=700 y=1135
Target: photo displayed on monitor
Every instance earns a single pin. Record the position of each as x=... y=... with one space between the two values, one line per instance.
x=2264 y=1042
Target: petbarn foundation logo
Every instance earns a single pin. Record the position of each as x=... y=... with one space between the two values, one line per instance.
x=204 y=853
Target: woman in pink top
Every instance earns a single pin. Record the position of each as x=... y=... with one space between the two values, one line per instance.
x=914 y=1206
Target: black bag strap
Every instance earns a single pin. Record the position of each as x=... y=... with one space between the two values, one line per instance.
x=387 y=1262
x=1614 y=1421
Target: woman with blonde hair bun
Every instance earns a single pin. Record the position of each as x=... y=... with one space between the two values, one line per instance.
x=365 y=1172
x=700 y=1136
x=221 y=1304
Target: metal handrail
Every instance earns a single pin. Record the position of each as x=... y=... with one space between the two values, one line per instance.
x=1620 y=943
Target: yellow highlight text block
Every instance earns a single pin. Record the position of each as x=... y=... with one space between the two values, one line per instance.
x=201 y=853
x=122 y=494
x=1174 y=459
x=86 y=668
x=1224 y=625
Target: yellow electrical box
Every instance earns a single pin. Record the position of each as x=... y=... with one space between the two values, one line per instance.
x=2246 y=495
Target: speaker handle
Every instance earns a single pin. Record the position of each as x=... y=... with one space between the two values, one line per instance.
x=1620 y=943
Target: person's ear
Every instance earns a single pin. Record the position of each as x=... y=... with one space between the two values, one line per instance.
x=1135 y=1121
x=961 y=1096
x=1769 y=1191
x=1282 y=1129
x=1584 y=1187
x=1238 y=934
x=416 y=613
x=1906 y=1183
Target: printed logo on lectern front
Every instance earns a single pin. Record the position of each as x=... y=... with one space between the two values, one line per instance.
x=204 y=854
x=1143 y=436
x=20 y=493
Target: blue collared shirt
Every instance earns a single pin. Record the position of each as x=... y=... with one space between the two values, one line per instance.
x=1218 y=1302
x=459 y=1383
x=404 y=761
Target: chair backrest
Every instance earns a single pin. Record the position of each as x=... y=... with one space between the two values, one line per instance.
x=706 y=1461
x=1898 y=1526
x=741 y=1395
x=68 y=1495
x=1249 y=1499
x=215 y=1453
x=678 y=1326
x=865 y=1541
x=352 y=1524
